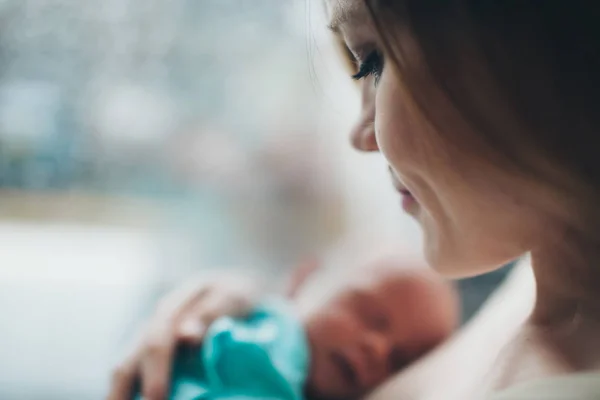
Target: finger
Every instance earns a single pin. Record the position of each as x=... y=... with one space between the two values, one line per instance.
x=196 y=320
x=231 y=302
x=301 y=274
x=155 y=366
x=171 y=312
x=123 y=380
x=191 y=329
x=231 y=297
x=178 y=301
x=152 y=362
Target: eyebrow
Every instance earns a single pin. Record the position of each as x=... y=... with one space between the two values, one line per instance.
x=342 y=15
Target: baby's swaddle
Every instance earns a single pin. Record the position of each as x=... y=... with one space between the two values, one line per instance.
x=262 y=356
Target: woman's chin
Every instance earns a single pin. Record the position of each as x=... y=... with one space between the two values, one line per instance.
x=454 y=264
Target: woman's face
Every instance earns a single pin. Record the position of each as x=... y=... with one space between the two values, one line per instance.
x=473 y=220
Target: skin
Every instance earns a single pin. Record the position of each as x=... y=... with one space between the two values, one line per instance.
x=462 y=236
x=371 y=328
x=383 y=315
x=475 y=218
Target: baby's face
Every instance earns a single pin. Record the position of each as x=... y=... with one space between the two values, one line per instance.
x=367 y=331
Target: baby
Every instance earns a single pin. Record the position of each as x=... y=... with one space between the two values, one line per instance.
x=378 y=321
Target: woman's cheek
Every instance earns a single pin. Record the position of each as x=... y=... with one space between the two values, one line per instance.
x=383 y=125
x=391 y=119
x=404 y=143
x=396 y=130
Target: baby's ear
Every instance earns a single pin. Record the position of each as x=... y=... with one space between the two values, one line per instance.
x=300 y=275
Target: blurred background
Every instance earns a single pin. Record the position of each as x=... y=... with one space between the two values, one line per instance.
x=143 y=141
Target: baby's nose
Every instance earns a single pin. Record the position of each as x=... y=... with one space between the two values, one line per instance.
x=375 y=348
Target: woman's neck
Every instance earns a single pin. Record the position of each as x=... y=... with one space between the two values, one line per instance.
x=566 y=314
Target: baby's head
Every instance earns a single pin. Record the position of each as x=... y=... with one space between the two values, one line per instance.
x=373 y=325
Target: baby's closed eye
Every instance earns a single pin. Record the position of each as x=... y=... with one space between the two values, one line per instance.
x=371 y=312
x=377 y=321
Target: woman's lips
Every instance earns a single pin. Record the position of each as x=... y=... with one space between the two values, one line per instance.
x=408 y=200
x=409 y=203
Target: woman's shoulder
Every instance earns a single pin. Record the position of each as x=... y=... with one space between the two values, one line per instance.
x=462 y=367
x=581 y=386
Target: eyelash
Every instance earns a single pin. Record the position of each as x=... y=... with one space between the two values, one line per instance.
x=372 y=66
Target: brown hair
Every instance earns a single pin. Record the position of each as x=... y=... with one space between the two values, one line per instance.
x=517 y=80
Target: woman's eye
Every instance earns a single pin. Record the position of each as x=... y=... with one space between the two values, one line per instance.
x=372 y=66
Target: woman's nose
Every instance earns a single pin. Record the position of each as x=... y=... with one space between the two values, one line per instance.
x=363 y=137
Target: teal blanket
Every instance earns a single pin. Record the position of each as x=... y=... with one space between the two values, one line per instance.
x=263 y=356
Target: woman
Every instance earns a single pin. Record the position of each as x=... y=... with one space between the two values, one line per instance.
x=486 y=112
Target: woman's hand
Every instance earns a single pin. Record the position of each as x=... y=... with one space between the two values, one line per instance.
x=180 y=318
